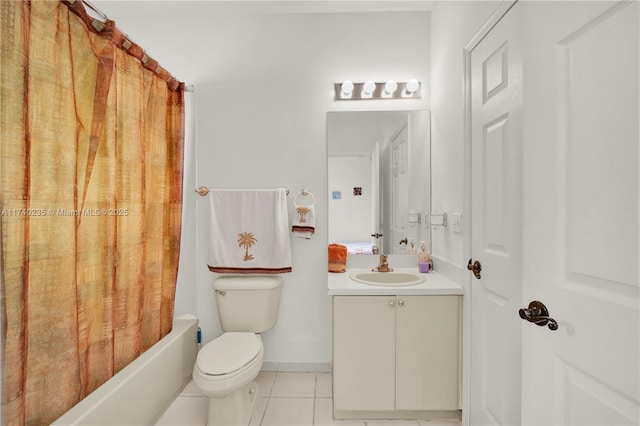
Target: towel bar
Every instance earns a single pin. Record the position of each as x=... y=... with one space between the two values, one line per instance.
x=203 y=191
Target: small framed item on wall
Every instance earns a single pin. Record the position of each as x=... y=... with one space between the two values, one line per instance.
x=336 y=195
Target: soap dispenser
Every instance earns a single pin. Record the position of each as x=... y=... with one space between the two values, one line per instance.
x=425 y=263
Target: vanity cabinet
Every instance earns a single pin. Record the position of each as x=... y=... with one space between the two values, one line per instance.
x=397 y=354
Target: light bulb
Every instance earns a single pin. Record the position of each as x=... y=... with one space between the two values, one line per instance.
x=368 y=88
x=347 y=89
x=390 y=88
x=411 y=87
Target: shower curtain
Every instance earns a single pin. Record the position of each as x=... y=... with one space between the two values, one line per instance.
x=91 y=139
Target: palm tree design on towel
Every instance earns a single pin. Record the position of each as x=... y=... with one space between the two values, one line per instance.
x=247 y=240
x=302 y=211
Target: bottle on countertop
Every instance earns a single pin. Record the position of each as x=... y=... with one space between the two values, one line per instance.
x=425 y=263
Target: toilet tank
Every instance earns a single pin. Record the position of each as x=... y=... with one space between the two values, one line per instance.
x=248 y=303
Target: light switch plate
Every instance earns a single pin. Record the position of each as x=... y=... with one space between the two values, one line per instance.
x=456 y=222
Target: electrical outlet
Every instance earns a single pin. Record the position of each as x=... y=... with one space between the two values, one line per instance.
x=456 y=222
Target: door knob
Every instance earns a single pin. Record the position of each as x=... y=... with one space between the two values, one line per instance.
x=476 y=267
x=538 y=314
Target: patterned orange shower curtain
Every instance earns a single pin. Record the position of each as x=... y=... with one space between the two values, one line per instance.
x=91 y=139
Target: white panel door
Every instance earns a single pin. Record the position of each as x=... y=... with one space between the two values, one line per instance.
x=399 y=190
x=376 y=203
x=496 y=223
x=581 y=213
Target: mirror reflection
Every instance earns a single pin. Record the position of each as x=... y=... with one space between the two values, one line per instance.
x=379 y=180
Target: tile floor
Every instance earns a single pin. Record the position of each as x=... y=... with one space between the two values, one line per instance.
x=297 y=399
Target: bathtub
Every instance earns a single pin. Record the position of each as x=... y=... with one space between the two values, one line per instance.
x=139 y=393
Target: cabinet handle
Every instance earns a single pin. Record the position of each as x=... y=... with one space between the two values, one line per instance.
x=400 y=302
x=391 y=304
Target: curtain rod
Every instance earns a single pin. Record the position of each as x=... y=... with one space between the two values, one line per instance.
x=95 y=9
x=109 y=29
x=187 y=88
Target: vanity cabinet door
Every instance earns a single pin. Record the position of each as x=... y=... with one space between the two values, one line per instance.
x=427 y=352
x=364 y=353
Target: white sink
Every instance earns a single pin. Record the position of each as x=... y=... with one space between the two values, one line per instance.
x=389 y=279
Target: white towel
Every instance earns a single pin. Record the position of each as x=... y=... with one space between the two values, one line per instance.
x=304 y=221
x=249 y=232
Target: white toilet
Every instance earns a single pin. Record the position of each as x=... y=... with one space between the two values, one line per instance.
x=226 y=367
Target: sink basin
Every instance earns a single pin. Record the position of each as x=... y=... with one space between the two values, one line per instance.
x=389 y=279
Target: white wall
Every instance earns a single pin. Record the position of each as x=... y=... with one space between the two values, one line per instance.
x=453 y=25
x=264 y=84
x=350 y=214
x=420 y=183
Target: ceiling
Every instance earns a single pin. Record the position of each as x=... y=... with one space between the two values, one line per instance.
x=185 y=8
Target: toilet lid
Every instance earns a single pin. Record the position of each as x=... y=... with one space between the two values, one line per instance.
x=228 y=353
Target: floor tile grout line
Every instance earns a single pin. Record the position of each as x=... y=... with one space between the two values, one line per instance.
x=266 y=406
x=313 y=406
x=315 y=394
x=292 y=397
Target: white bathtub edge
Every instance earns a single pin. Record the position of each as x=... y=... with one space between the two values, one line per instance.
x=140 y=392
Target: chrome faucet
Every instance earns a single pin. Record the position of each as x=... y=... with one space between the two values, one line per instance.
x=383 y=266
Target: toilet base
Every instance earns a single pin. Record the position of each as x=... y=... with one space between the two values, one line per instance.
x=233 y=409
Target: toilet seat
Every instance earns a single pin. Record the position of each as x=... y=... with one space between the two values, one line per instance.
x=230 y=352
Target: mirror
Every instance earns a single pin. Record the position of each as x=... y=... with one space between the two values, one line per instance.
x=379 y=180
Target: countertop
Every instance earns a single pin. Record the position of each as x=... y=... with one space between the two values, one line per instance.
x=434 y=284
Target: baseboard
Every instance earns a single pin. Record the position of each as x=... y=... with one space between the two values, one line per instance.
x=318 y=367
x=399 y=415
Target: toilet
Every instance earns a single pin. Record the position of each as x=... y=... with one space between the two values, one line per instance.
x=226 y=367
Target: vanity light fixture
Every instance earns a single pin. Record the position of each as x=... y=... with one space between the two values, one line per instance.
x=348 y=90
